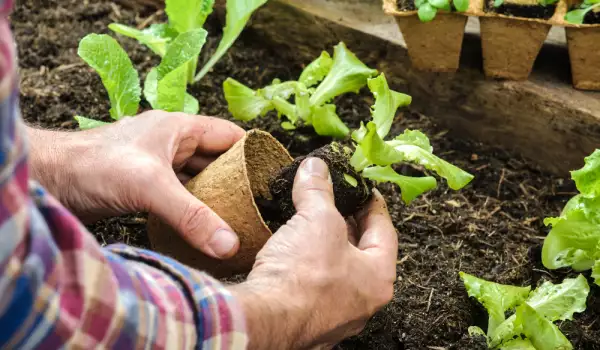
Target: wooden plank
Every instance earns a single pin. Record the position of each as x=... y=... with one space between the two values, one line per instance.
x=544 y=119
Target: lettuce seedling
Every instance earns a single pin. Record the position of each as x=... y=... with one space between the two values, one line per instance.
x=531 y=325
x=574 y=240
x=164 y=87
x=322 y=80
x=372 y=157
x=577 y=16
x=120 y=79
x=190 y=15
x=427 y=9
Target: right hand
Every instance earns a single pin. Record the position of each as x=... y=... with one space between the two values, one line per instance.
x=319 y=279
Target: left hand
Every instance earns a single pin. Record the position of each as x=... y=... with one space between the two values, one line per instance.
x=139 y=164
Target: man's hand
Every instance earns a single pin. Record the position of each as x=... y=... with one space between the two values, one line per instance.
x=319 y=278
x=139 y=164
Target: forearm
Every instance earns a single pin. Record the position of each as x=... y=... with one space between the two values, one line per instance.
x=48 y=157
x=275 y=318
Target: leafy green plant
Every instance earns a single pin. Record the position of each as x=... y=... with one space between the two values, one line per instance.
x=577 y=16
x=574 y=240
x=321 y=81
x=119 y=77
x=531 y=325
x=178 y=43
x=190 y=15
x=427 y=9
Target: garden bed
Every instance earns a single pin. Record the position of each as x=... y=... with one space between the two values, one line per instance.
x=493 y=228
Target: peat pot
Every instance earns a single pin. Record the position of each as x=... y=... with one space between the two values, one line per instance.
x=228 y=186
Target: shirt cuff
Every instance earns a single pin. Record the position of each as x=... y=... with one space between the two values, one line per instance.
x=220 y=321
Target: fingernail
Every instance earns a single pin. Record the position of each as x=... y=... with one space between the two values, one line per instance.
x=223 y=242
x=316 y=166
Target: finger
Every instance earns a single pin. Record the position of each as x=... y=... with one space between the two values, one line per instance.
x=213 y=135
x=313 y=189
x=378 y=235
x=197 y=223
x=197 y=164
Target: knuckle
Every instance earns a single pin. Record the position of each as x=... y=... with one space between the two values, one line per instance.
x=193 y=218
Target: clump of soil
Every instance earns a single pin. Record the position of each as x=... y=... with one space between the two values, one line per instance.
x=592 y=17
x=488 y=229
x=526 y=11
x=349 y=197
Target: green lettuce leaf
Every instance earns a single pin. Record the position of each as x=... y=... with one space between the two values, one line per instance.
x=587 y=179
x=496 y=298
x=517 y=344
x=87 y=123
x=387 y=103
x=186 y=15
x=541 y=332
x=426 y=12
x=596 y=272
x=415 y=138
x=554 y=302
x=118 y=75
x=157 y=37
x=348 y=74
x=244 y=103
x=238 y=14
x=461 y=5
x=575 y=235
x=284 y=108
x=165 y=85
x=381 y=153
x=578 y=16
x=185 y=48
x=317 y=70
x=410 y=187
x=327 y=123
x=560 y=301
x=171 y=90
x=190 y=104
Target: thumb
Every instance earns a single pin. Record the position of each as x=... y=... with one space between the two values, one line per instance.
x=313 y=189
x=195 y=221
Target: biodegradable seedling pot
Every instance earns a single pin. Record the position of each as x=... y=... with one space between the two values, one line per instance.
x=433 y=46
x=229 y=186
x=510 y=46
x=584 y=52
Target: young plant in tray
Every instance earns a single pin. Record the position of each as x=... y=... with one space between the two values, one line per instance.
x=427 y=9
x=574 y=240
x=178 y=43
x=530 y=325
x=580 y=14
x=372 y=157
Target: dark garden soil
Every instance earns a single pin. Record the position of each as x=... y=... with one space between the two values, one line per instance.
x=526 y=11
x=592 y=17
x=492 y=229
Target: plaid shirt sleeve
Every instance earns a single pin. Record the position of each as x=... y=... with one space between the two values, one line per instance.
x=60 y=289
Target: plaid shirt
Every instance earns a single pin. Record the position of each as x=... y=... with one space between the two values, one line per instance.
x=60 y=289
